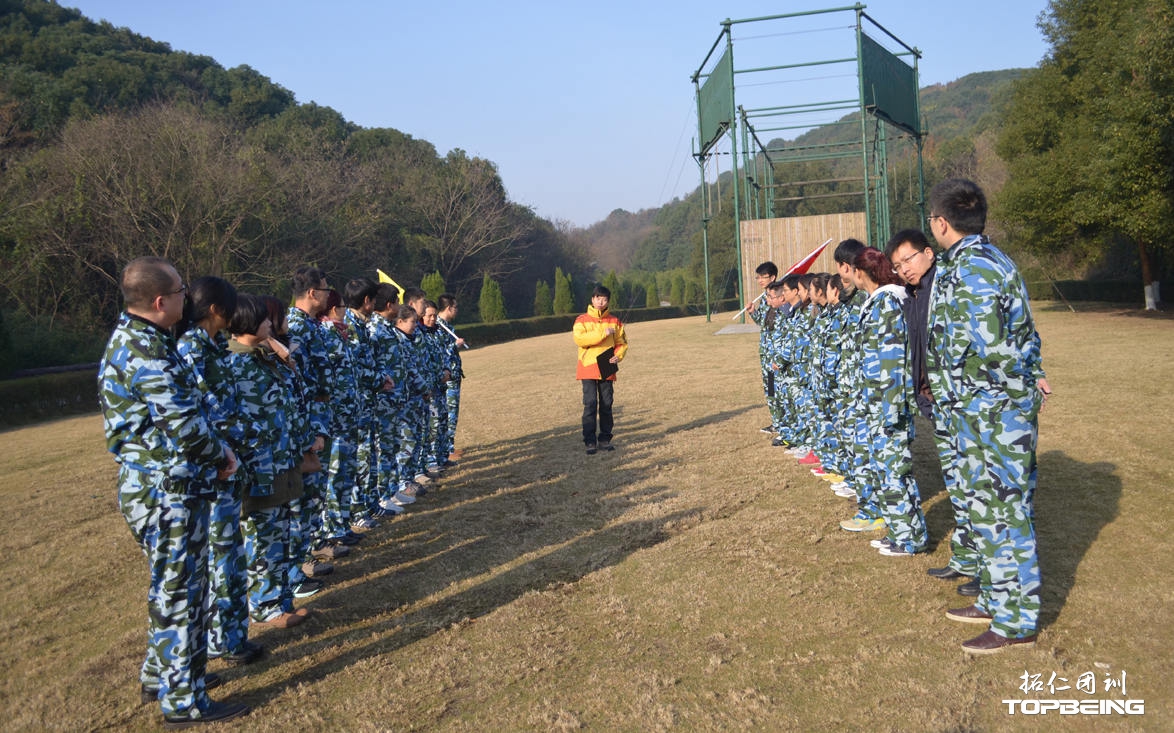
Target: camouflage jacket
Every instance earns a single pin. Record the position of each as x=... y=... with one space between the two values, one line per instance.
x=278 y=430
x=371 y=373
x=452 y=353
x=154 y=418
x=385 y=346
x=307 y=341
x=411 y=351
x=983 y=346
x=885 y=377
x=434 y=356
x=348 y=405
x=208 y=359
x=848 y=373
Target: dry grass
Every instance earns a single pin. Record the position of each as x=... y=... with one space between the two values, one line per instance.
x=693 y=579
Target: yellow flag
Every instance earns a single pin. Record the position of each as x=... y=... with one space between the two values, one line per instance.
x=385 y=278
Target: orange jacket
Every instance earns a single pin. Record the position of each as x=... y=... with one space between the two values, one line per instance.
x=591 y=336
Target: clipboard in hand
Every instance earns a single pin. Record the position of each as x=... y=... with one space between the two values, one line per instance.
x=606 y=368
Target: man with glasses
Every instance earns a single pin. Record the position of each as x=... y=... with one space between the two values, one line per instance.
x=985 y=374
x=156 y=428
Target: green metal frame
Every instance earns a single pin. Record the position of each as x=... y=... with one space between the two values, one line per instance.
x=755 y=188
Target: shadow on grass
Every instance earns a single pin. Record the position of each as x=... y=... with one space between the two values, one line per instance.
x=517 y=516
x=1073 y=502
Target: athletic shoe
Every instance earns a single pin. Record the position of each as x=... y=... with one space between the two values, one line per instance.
x=315 y=568
x=307 y=588
x=769 y=430
x=402 y=498
x=877 y=544
x=388 y=509
x=809 y=460
x=845 y=492
x=969 y=615
x=831 y=478
x=989 y=642
x=798 y=451
x=606 y=445
x=891 y=550
x=364 y=523
x=855 y=524
x=592 y=449
x=214 y=713
x=780 y=443
x=422 y=479
x=330 y=551
x=434 y=469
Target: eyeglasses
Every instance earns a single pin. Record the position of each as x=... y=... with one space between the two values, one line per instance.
x=929 y=219
x=183 y=288
x=905 y=261
x=321 y=290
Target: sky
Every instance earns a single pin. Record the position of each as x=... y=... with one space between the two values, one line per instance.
x=585 y=107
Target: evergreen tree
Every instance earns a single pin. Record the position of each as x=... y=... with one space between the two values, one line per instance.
x=677 y=292
x=690 y=292
x=543 y=300
x=433 y=285
x=564 y=301
x=611 y=281
x=651 y=298
x=491 y=304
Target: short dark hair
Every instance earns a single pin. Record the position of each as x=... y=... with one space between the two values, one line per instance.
x=144 y=279
x=430 y=304
x=411 y=295
x=837 y=282
x=405 y=312
x=306 y=278
x=386 y=294
x=914 y=237
x=961 y=203
x=205 y=292
x=250 y=313
x=767 y=268
x=446 y=301
x=790 y=282
x=358 y=290
x=848 y=250
x=601 y=289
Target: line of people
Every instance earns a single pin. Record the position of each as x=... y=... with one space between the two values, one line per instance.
x=257 y=442
x=847 y=359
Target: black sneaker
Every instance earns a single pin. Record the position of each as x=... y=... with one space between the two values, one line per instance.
x=215 y=713
x=307 y=588
x=769 y=430
x=780 y=443
x=606 y=445
x=591 y=449
x=248 y=654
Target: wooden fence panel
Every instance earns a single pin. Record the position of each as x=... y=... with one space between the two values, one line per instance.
x=786 y=241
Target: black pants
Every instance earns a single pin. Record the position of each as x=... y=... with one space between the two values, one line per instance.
x=597 y=395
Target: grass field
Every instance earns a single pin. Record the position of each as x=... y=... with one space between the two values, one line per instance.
x=694 y=579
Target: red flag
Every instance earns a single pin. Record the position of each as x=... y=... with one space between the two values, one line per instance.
x=803 y=265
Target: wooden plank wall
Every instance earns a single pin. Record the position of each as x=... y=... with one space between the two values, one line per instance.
x=786 y=241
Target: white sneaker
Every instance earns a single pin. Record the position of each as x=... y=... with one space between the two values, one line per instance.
x=893 y=551
x=798 y=451
x=389 y=505
x=877 y=544
x=434 y=468
x=422 y=479
x=845 y=492
x=403 y=499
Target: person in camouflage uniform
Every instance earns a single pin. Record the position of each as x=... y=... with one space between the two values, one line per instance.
x=436 y=371
x=413 y=418
x=348 y=418
x=277 y=434
x=419 y=406
x=204 y=347
x=985 y=374
x=785 y=294
x=446 y=452
x=168 y=456
x=764 y=316
x=390 y=403
x=826 y=386
x=886 y=402
x=359 y=296
x=311 y=357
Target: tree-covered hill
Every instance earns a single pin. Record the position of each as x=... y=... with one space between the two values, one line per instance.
x=113 y=145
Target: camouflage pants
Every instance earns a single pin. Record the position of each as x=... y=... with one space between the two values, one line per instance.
x=845 y=422
x=171 y=527
x=863 y=479
x=437 y=430
x=267 y=548
x=417 y=425
x=452 y=400
x=782 y=408
x=363 y=496
x=897 y=497
x=998 y=467
x=963 y=554
x=341 y=478
x=387 y=443
x=828 y=445
x=803 y=411
x=228 y=619
x=305 y=522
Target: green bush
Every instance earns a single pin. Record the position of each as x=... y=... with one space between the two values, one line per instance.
x=32 y=399
x=1106 y=291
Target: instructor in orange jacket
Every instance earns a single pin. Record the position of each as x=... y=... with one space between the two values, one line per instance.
x=597 y=331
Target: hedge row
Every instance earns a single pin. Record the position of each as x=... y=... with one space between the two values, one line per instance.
x=484 y=334
x=46 y=397
x=49 y=396
x=1108 y=291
